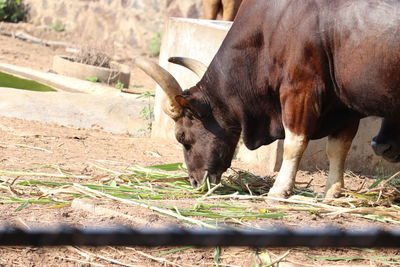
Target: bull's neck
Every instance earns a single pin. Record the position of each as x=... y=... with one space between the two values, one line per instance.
x=232 y=82
x=216 y=92
x=239 y=85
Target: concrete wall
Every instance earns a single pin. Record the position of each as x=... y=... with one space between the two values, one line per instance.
x=131 y=23
x=201 y=39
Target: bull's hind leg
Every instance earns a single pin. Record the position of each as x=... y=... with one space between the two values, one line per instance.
x=293 y=148
x=336 y=149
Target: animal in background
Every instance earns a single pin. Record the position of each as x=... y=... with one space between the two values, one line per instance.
x=228 y=9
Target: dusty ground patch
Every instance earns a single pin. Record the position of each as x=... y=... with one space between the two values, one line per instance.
x=25 y=145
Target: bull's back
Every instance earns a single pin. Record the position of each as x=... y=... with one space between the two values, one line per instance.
x=351 y=47
x=363 y=40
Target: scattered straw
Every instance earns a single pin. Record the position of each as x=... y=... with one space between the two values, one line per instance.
x=139 y=185
x=104 y=258
x=42 y=174
x=382 y=192
x=147 y=206
x=85 y=263
x=247 y=182
x=157 y=259
x=26 y=146
x=291 y=261
x=211 y=191
x=278 y=260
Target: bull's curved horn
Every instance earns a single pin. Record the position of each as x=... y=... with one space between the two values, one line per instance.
x=166 y=81
x=194 y=65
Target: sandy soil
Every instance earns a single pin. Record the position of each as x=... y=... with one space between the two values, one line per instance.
x=78 y=150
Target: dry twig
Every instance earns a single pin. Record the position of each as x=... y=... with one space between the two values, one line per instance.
x=157 y=259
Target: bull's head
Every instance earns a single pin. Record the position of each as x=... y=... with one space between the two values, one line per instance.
x=200 y=126
x=387 y=142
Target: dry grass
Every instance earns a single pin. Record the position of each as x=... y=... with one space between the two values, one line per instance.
x=140 y=186
x=246 y=182
x=239 y=201
x=93 y=56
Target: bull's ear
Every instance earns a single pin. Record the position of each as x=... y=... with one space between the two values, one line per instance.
x=198 y=107
x=183 y=101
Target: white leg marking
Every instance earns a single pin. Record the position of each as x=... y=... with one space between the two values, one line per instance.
x=293 y=148
x=336 y=150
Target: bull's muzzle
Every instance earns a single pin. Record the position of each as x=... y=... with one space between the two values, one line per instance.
x=213 y=178
x=385 y=150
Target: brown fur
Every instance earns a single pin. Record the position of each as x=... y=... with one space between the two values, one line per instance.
x=228 y=9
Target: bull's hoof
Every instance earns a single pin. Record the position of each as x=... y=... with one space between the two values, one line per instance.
x=333 y=193
x=278 y=193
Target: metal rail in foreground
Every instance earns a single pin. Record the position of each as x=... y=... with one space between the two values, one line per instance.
x=282 y=237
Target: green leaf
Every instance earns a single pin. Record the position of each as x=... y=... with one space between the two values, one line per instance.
x=119 y=85
x=366 y=250
x=155 y=45
x=92 y=79
x=262 y=259
x=377 y=218
x=112 y=183
x=58 y=26
x=171 y=251
x=217 y=256
x=337 y=258
x=136 y=86
x=354 y=258
x=168 y=167
x=12 y=10
x=146 y=94
x=378 y=181
x=22 y=206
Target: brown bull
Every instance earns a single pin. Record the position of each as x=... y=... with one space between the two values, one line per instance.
x=295 y=70
x=228 y=9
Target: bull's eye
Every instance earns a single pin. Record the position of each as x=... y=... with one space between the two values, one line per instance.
x=187 y=147
x=189 y=114
x=181 y=138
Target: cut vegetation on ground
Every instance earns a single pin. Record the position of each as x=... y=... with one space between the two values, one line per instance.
x=147 y=187
x=239 y=201
x=87 y=178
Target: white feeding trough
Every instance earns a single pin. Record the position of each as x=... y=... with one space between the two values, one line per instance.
x=116 y=73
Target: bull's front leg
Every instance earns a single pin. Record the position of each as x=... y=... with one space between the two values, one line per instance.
x=293 y=148
x=337 y=149
x=299 y=120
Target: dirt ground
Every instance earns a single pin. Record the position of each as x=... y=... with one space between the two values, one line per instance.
x=77 y=151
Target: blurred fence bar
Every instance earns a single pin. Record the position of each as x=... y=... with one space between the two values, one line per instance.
x=282 y=237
